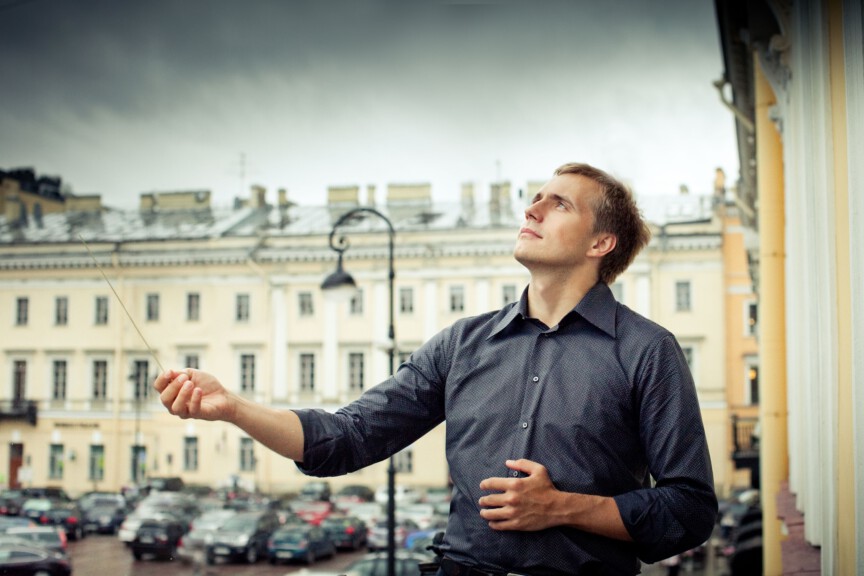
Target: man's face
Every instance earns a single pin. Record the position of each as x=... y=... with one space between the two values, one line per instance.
x=559 y=223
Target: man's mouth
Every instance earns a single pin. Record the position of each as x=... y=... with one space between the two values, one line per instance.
x=529 y=232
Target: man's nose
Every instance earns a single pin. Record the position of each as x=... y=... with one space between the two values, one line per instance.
x=534 y=211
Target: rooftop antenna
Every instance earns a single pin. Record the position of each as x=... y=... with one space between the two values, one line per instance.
x=122 y=305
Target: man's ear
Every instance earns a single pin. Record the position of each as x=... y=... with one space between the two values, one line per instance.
x=603 y=244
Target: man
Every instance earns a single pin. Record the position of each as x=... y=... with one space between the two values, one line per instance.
x=560 y=408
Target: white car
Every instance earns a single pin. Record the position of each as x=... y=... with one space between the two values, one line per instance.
x=422 y=514
x=401 y=494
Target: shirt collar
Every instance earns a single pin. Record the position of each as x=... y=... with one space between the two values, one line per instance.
x=598 y=307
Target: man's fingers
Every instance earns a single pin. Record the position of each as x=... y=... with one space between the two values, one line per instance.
x=180 y=404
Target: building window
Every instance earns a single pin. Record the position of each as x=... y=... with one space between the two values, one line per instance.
x=457 y=299
x=682 y=296
x=22 y=308
x=61 y=311
x=247 y=454
x=403 y=461
x=617 y=289
x=19 y=380
x=689 y=358
x=247 y=372
x=100 y=379
x=141 y=379
x=152 y=307
x=242 y=308
x=305 y=301
x=191 y=361
x=101 y=310
x=55 y=462
x=355 y=371
x=752 y=321
x=356 y=304
x=307 y=372
x=406 y=300
x=193 y=306
x=190 y=453
x=752 y=383
x=138 y=463
x=96 y=468
x=58 y=391
x=508 y=294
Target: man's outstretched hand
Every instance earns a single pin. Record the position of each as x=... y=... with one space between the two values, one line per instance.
x=191 y=393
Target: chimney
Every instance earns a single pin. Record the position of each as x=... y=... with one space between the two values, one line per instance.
x=370 y=195
x=343 y=196
x=257 y=198
x=468 y=200
x=683 y=190
x=283 y=198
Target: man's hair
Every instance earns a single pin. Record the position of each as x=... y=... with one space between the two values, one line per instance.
x=615 y=212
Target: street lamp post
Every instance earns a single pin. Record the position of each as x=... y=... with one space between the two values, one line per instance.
x=340 y=279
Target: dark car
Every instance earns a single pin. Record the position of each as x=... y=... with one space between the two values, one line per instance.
x=305 y=543
x=60 y=513
x=352 y=494
x=407 y=564
x=346 y=532
x=316 y=490
x=159 y=538
x=243 y=536
x=51 y=492
x=165 y=484
x=48 y=537
x=65 y=515
x=24 y=560
x=104 y=513
x=10 y=502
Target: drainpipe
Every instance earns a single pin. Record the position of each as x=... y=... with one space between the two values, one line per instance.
x=773 y=409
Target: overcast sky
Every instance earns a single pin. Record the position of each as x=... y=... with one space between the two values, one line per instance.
x=123 y=97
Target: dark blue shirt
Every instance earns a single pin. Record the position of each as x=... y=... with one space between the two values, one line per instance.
x=604 y=400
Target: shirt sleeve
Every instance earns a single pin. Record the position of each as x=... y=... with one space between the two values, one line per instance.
x=383 y=421
x=678 y=513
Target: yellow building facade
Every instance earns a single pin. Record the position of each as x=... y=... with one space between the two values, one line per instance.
x=236 y=291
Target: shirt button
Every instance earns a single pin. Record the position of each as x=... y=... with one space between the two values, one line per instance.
x=524 y=424
x=535 y=379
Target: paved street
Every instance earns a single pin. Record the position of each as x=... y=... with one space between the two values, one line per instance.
x=102 y=555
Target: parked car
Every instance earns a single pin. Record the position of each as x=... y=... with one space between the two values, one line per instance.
x=48 y=537
x=352 y=494
x=378 y=533
x=7 y=522
x=243 y=536
x=10 y=502
x=316 y=490
x=103 y=513
x=401 y=495
x=346 y=532
x=164 y=484
x=159 y=538
x=407 y=564
x=422 y=514
x=65 y=515
x=369 y=512
x=129 y=527
x=156 y=506
x=52 y=492
x=306 y=543
x=200 y=534
x=21 y=559
x=312 y=511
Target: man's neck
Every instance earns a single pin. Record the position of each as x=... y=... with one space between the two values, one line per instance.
x=551 y=297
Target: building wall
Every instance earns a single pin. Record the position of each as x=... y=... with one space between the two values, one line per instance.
x=430 y=262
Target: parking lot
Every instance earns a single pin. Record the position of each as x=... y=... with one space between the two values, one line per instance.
x=98 y=555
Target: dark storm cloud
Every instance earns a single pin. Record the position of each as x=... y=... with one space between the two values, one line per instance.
x=161 y=93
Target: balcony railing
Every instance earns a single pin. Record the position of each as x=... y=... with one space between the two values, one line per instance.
x=19 y=410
